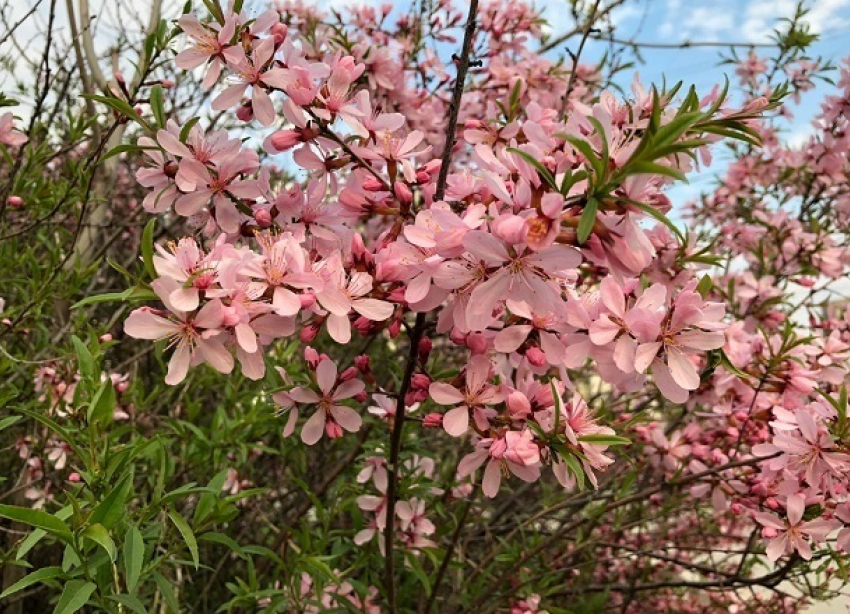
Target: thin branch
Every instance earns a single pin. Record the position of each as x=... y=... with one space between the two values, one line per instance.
x=419 y=327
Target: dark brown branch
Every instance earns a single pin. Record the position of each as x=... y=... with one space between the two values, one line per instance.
x=419 y=327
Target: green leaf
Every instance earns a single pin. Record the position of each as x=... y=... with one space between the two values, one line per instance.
x=85 y=360
x=587 y=220
x=224 y=540
x=188 y=535
x=147 y=248
x=75 y=595
x=157 y=105
x=136 y=293
x=102 y=406
x=167 y=592
x=605 y=440
x=122 y=107
x=704 y=286
x=40 y=575
x=111 y=509
x=131 y=602
x=134 y=557
x=576 y=469
x=184 y=131
x=544 y=172
x=9 y=421
x=99 y=535
x=38 y=519
x=652 y=211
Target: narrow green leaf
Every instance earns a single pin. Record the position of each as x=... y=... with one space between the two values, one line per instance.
x=157 y=105
x=75 y=595
x=40 y=575
x=134 y=557
x=102 y=406
x=38 y=519
x=544 y=172
x=147 y=248
x=605 y=440
x=131 y=602
x=188 y=535
x=111 y=509
x=99 y=535
x=587 y=220
x=167 y=592
x=9 y=421
x=85 y=360
x=652 y=211
x=224 y=540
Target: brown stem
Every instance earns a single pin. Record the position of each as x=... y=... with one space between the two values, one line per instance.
x=419 y=326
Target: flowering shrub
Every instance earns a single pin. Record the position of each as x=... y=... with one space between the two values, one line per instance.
x=516 y=384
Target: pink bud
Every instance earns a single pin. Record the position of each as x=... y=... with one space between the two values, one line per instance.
x=360 y=397
x=118 y=77
x=402 y=192
x=518 y=404
x=768 y=532
x=332 y=429
x=308 y=299
x=349 y=374
x=422 y=177
x=15 y=202
x=245 y=112
x=74 y=478
x=394 y=328
x=736 y=508
x=312 y=357
x=477 y=343
x=535 y=356
x=263 y=217
x=420 y=381
x=433 y=421
x=362 y=363
x=371 y=184
x=121 y=388
x=772 y=503
x=308 y=333
x=283 y=140
x=166 y=84
x=425 y=346
x=279 y=31
x=105 y=338
x=386 y=8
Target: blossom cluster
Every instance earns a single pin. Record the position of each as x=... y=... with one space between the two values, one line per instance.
x=530 y=271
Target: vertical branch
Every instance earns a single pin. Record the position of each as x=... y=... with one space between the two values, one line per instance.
x=419 y=326
x=585 y=34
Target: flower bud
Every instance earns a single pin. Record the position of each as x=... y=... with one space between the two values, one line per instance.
x=360 y=397
x=432 y=421
x=279 y=31
x=420 y=381
x=371 y=184
x=362 y=363
x=307 y=299
x=263 y=217
x=245 y=112
x=308 y=333
x=403 y=193
x=74 y=478
x=333 y=430
x=349 y=374
x=283 y=140
x=477 y=343
x=15 y=202
x=535 y=356
x=105 y=338
x=425 y=346
x=166 y=84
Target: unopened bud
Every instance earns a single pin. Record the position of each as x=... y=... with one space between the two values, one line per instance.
x=432 y=421
x=15 y=202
